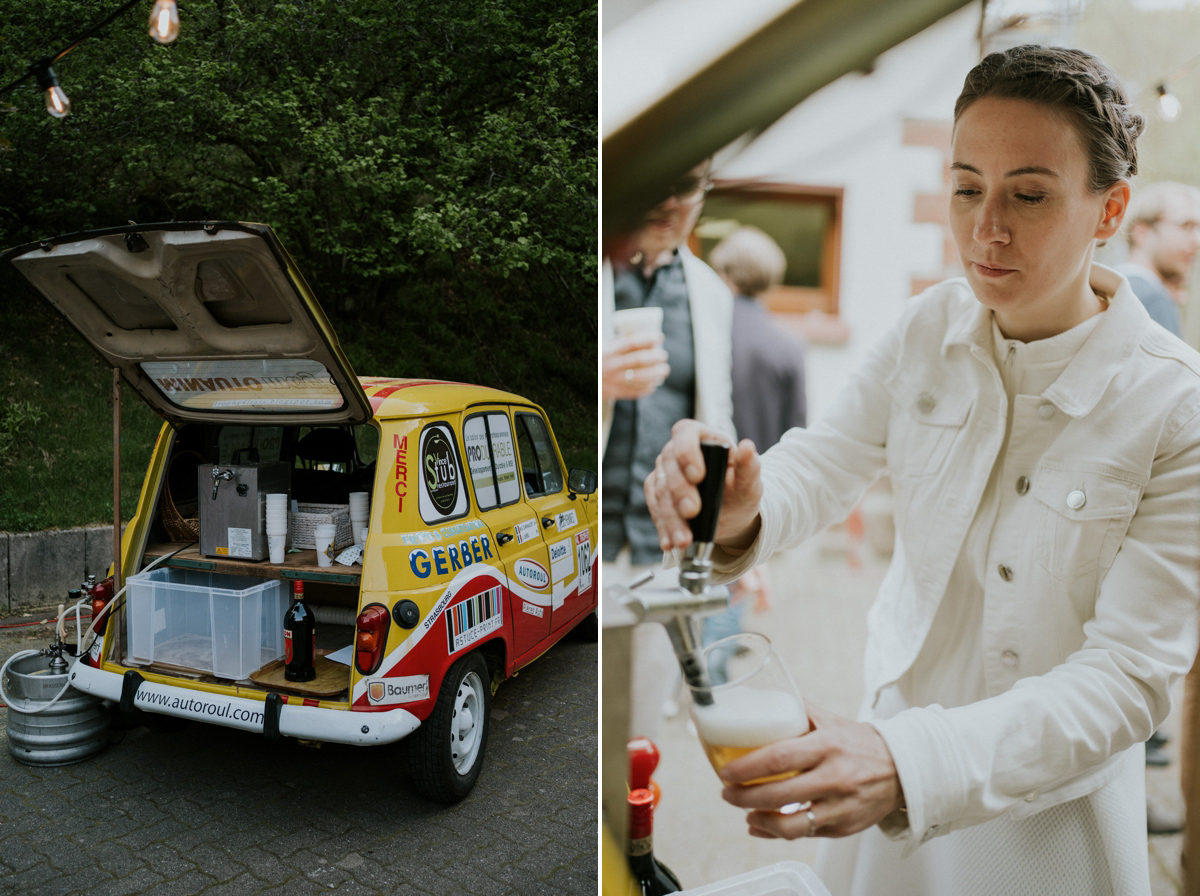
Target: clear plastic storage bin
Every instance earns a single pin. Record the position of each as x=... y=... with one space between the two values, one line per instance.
x=227 y=626
x=780 y=879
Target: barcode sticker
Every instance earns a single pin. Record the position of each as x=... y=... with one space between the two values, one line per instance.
x=469 y=620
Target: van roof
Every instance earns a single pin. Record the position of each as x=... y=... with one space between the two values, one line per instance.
x=392 y=397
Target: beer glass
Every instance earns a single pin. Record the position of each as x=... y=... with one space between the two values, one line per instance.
x=751 y=701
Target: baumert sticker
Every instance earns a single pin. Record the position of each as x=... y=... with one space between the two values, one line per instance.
x=567 y=520
x=402 y=689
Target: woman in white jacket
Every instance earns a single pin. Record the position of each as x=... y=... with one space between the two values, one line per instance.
x=1043 y=440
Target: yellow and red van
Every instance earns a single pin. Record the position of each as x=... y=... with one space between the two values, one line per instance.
x=480 y=547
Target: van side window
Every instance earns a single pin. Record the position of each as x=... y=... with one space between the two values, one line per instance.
x=540 y=471
x=491 y=459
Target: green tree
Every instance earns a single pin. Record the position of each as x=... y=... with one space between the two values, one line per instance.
x=431 y=165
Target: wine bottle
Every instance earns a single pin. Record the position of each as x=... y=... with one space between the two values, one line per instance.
x=652 y=876
x=299 y=639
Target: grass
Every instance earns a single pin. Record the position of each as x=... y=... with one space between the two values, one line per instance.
x=56 y=421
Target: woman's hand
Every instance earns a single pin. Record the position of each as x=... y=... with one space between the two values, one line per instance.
x=633 y=366
x=673 y=499
x=845 y=772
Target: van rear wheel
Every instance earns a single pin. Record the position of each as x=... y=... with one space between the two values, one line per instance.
x=447 y=750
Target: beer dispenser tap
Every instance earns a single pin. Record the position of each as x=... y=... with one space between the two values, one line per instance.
x=681 y=610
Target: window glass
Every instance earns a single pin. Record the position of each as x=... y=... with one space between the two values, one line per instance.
x=442 y=495
x=249 y=444
x=283 y=385
x=491 y=459
x=540 y=471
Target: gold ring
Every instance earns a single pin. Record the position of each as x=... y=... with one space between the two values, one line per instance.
x=812 y=823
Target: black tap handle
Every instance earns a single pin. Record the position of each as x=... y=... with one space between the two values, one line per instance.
x=712 y=489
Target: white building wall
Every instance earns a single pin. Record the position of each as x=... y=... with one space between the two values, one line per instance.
x=850 y=135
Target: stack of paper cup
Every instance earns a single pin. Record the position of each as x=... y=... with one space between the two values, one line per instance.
x=324 y=537
x=277 y=526
x=359 y=512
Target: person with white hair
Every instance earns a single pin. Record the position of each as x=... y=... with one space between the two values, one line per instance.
x=768 y=362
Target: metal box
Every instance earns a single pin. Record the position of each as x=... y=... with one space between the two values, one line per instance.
x=233 y=507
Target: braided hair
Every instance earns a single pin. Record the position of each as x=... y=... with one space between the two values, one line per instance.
x=1077 y=85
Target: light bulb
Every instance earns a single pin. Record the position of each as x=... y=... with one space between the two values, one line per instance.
x=57 y=103
x=164 y=21
x=1169 y=106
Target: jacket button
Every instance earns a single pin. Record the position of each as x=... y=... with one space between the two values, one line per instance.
x=1006 y=572
x=1046 y=411
x=1009 y=658
x=1031 y=796
x=1022 y=484
x=930 y=834
x=1076 y=499
x=926 y=402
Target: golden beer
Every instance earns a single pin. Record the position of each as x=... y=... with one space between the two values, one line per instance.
x=742 y=719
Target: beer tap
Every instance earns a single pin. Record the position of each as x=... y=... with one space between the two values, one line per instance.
x=218 y=475
x=681 y=610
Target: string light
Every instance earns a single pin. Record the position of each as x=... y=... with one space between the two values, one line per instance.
x=1169 y=106
x=164 y=21
x=164 y=28
x=57 y=103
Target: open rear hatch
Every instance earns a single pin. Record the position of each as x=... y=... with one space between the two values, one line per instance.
x=208 y=321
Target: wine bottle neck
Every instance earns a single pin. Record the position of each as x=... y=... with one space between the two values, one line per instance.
x=641 y=846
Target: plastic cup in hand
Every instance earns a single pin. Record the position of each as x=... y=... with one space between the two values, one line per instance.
x=324 y=537
x=638 y=322
x=276 y=544
x=751 y=701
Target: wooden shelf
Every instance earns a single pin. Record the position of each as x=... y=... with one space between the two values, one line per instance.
x=296 y=565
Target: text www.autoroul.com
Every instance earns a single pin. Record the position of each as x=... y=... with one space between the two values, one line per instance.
x=203 y=708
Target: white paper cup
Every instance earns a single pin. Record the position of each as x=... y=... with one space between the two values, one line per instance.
x=280 y=529
x=359 y=499
x=276 y=545
x=324 y=537
x=277 y=499
x=362 y=535
x=638 y=322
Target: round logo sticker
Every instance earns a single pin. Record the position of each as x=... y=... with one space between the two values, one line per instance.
x=441 y=471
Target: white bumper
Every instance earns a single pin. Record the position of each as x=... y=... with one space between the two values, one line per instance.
x=305 y=722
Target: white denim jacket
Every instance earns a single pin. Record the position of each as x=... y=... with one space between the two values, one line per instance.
x=1094 y=560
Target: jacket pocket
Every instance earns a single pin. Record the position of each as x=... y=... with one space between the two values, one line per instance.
x=1086 y=512
x=927 y=417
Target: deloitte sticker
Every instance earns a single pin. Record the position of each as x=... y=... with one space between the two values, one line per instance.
x=440 y=470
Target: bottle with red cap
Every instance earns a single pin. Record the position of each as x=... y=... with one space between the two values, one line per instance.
x=299 y=639
x=652 y=876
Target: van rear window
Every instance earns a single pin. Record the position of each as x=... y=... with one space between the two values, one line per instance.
x=281 y=385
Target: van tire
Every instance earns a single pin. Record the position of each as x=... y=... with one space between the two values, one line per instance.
x=447 y=750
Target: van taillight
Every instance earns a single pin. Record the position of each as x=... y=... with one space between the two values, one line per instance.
x=102 y=593
x=371 y=638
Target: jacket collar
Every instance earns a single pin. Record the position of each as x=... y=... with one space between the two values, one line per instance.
x=1111 y=344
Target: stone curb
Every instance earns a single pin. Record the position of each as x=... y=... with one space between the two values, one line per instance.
x=37 y=569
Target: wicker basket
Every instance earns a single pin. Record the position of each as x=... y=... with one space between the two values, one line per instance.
x=179 y=527
x=302 y=525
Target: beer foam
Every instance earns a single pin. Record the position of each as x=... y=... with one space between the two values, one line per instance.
x=750 y=717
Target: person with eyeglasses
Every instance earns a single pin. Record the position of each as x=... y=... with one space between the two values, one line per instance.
x=1162 y=230
x=648 y=383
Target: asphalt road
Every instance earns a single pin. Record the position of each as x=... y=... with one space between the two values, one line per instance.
x=209 y=810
